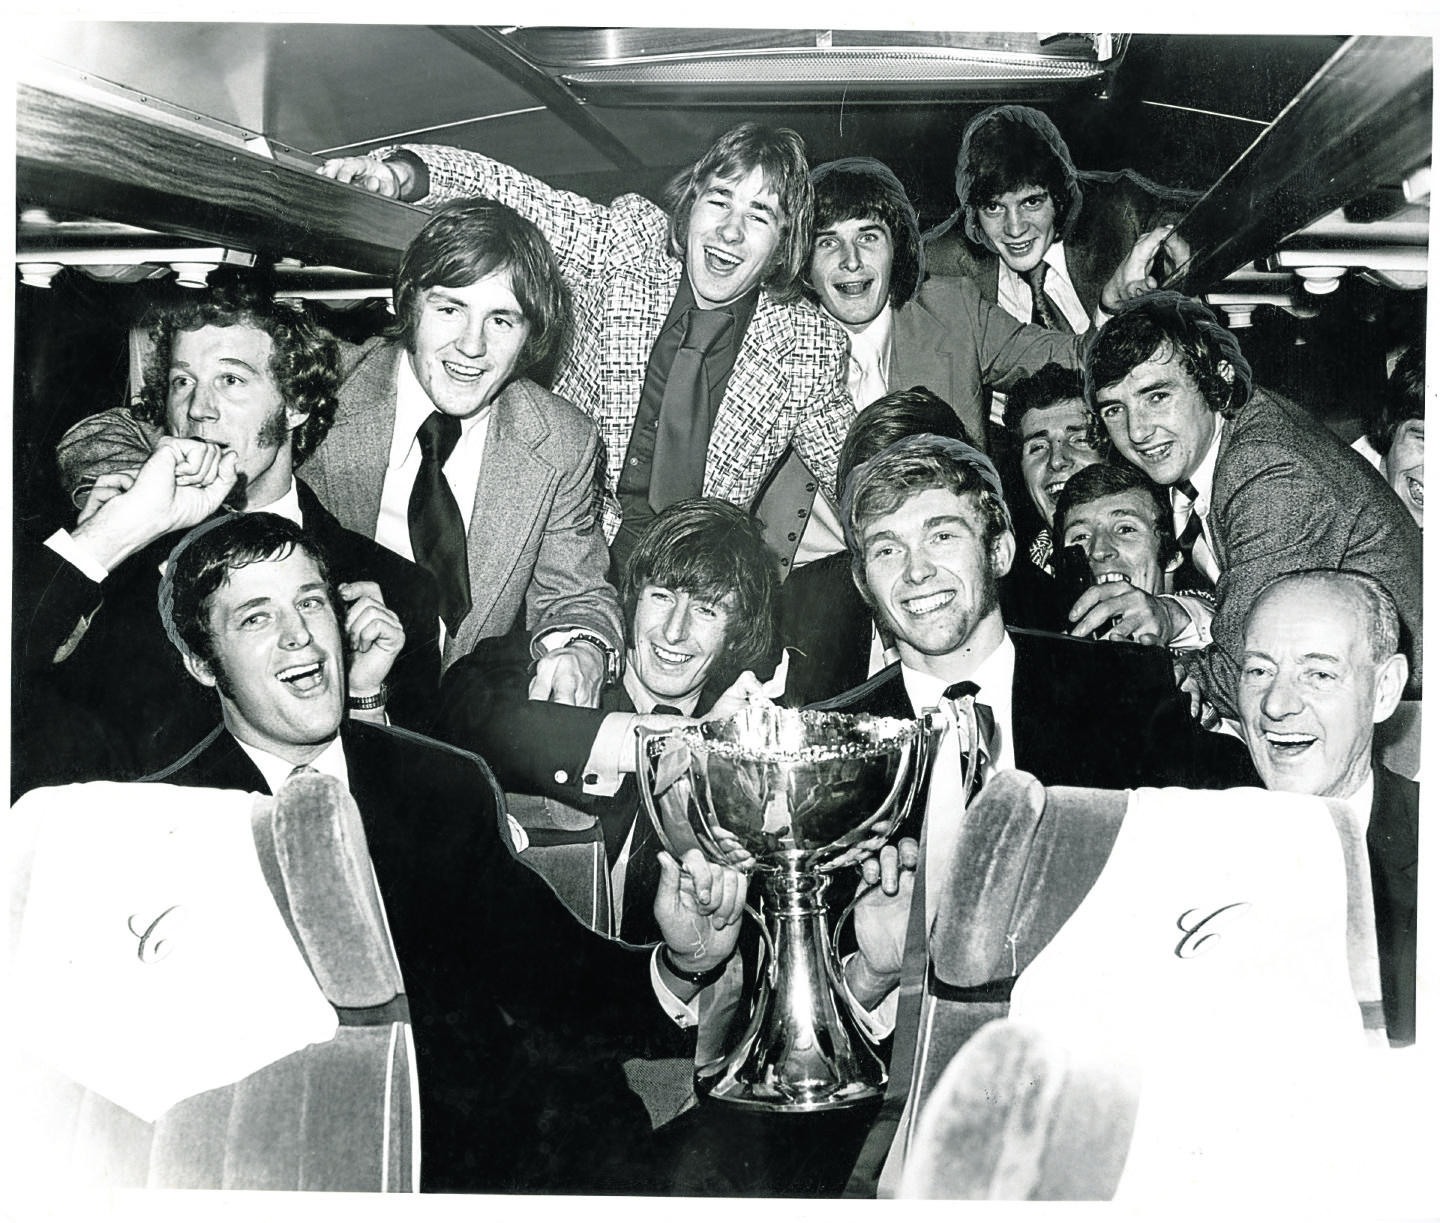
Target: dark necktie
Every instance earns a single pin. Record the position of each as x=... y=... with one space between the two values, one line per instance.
x=642 y=873
x=683 y=430
x=1042 y=310
x=437 y=532
x=984 y=721
x=1192 y=525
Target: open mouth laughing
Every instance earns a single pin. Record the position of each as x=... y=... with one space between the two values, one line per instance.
x=464 y=373
x=852 y=288
x=1415 y=489
x=720 y=262
x=1288 y=745
x=924 y=605
x=674 y=659
x=304 y=678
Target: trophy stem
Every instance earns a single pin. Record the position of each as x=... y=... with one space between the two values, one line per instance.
x=803 y=1050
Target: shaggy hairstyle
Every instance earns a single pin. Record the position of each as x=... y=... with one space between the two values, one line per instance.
x=1051 y=384
x=304 y=357
x=467 y=240
x=889 y=480
x=780 y=154
x=1105 y=480
x=1006 y=155
x=202 y=562
x=863 y=189
x=891 y=417
x=1165 y=325
x=1377 y=606
x=1404 y=399
x=711 y=549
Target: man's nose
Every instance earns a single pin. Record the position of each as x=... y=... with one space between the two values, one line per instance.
x=849 y=256
x=1014 y=222
x=1138 y=425
x=204 y=403
x=1060 y=459
x=677 y=623
x=732 y=227
x=918 y=566
x=1100 y=546
x=294 y=631
x=471 y=341
x=1281 y=699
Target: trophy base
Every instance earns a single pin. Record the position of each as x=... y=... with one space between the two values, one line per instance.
x=719 y=1085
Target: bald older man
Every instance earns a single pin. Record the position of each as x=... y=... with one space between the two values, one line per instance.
x=1321 y=668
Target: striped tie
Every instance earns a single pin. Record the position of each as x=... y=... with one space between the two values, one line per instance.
x=1191 y=531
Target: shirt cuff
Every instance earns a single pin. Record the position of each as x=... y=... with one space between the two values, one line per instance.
x=685 y=1014
x=880 y=1022
x=611 y=755
x=1196 y=634
x=68 y=548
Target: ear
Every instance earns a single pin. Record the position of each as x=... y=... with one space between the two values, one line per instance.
x=294 y=419
x=1002 y=553
x=198 y=668
x=1390 y=679
x=1226 y=371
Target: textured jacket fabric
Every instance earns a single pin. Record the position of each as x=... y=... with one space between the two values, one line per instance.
x=520 y=1015
x=535 y=548
x=1289 y=495
x=789 y=379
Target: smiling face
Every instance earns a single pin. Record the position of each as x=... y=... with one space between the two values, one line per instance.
x=931 y=580
x=221 y=388
x=1158 y=419
x=1311 y=692
x=678 y=638
x=278 y=657
x=850 y=269
x=1405 y=467
x=1021 y=224
x=1120 y=539
x=1054 y=445
x=734 y=235
x=468 y=343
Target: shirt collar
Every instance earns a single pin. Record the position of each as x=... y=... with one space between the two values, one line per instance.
x=874 y=338
x=412 y=406
x=276 y=771
x=1363 y=800
x=995 y=677
x=1053 y=258
x=287 y=505
x=1204 y=477
x=742 y=310
x=645 y=702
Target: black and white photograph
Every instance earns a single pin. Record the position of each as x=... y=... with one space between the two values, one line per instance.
x=969 y=749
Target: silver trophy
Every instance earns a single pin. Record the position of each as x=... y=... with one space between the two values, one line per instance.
x=789 y=794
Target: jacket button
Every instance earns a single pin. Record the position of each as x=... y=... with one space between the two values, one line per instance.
x=810 y=486
x=561 y=777
x=801 y=513
x=791 y=536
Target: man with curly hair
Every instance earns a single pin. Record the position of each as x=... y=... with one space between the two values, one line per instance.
x=238 y=389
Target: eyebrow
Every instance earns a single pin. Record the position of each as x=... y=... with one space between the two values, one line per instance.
x=185 y=365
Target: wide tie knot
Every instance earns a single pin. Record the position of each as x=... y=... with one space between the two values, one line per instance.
x=668 y=709
x=703 y=328
x=1036 y=277
x=984 y=715
x=438 y=436
x=1188 y=491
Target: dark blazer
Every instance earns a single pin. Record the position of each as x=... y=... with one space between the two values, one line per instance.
x=125 y=674
x=825 y=621
x=1393 y=841
x=535 y=548
x=538 y=750
x=520 y=1015
x=1091 y=713
x=1289 y=495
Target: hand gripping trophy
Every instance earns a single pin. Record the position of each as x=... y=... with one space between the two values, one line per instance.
x=791 y=795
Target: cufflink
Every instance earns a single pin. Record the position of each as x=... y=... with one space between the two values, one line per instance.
x=591 y=779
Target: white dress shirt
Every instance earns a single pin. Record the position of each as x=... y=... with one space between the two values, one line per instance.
x=1204 y=481
x=1014 y=296
x=462 y=468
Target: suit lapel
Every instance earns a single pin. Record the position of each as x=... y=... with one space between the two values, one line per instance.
x=922 y=350
x=757 y=382
x=514 y=486
x=357 y=449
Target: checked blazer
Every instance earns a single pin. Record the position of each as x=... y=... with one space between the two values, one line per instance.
x=789 y=380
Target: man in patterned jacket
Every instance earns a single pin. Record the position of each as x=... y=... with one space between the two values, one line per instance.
x=690 y=347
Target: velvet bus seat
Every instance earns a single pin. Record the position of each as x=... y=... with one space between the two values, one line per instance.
x=1059 y=914
x=213 y=1001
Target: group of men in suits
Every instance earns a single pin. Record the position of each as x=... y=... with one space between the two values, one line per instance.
x=466 y=511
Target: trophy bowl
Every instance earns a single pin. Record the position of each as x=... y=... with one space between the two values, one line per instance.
x=790 y=795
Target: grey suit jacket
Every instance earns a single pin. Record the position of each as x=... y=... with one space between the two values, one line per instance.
x=947 y=338
x=1289 y=495
x=535 y=541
